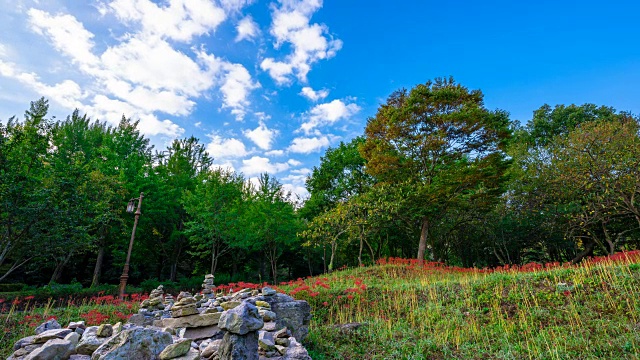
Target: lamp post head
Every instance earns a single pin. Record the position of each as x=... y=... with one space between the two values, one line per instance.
x=131 y=206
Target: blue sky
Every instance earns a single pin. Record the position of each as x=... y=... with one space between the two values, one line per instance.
x=269 y=85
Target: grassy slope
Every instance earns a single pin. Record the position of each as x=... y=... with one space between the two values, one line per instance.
x=586 y=312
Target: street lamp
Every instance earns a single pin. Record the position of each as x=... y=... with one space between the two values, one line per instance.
x=125 y=272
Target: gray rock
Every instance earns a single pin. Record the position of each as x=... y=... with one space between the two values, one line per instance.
x=74 y=338
x=176 y=349
x=211 y=349
x=55 y=349
x=236 y=346
x=80 y=357
x=206 y=332
x=192 y=354
x=293 y=314
x=89 y=341
x=50 y=324
x=267 y=291
x=133 y=344
x=23 y=342
x=268 y=315
x=296 y=351
x=141 y=320
x=47 y=335
x=241 y=320
x=76 y=324
x=266 y=340
x=104 y=330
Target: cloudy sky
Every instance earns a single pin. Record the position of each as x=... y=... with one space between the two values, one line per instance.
x=269 y=85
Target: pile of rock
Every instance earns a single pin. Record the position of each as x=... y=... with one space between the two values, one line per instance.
x=208 y=288
x=248 y=324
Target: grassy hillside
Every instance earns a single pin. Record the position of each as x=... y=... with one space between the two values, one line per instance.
x=435 y=312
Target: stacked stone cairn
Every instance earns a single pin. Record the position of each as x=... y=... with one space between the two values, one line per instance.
x=248 y=324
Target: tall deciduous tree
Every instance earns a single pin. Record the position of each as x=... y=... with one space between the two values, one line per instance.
x=24 y=201
x=215 y=208
x=440 y=143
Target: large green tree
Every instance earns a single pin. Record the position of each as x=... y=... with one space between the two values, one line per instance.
x=441 y=144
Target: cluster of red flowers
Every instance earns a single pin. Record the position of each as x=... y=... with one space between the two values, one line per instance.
x=35 y=320
x=621 y=257
x=94 y=317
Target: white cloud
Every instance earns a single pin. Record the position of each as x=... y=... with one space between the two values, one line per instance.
x=314 y=95
x=278 y=70
x=274 y=153
x=67 y=35
x=142 y=73
x=308 y=145
x=328 y=114
x=258 y=165
x=294 y=162
x=247 y=29
x=262 y=136
x=235 y=89
x=310 y=42
x=221 y=148
x=67 y=93
x=180 y=20
x=235 y=5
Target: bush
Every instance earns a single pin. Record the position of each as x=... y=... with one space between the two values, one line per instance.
x=11 y=287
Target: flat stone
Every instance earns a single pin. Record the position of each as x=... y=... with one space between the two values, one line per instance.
x=51 y=334
x=54 y=349
x=211 y=349
x=263 y=304
x=269 y=326
x=184 y=311
x=205 y=332
x=76 y=324
x=23 y=342
x=228 y=305
x=281 y=349
x=176 y=349
x=192 y=321
x=50 y=324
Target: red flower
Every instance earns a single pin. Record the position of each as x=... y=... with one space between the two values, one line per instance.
x=325 y=303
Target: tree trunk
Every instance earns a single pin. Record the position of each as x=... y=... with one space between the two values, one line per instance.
x=587 y=250
x=334 y=245
x=424 y=234
x=97 y=270
x=57 y=273
x=361 y=245
x=214 y=258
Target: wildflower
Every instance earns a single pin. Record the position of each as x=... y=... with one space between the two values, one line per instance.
x=350 y=297
x=325 y=303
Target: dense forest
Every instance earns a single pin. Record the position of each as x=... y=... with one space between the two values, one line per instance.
x=436 y=175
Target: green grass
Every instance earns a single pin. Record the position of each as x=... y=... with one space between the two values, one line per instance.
x=16 y=324
x=586 y=312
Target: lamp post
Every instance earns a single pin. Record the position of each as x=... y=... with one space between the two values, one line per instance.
x=125 y=272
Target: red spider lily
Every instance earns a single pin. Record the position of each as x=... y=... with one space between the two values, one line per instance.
x=325 y=303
